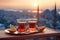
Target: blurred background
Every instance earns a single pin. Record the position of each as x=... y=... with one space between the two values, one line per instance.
x=11 y=10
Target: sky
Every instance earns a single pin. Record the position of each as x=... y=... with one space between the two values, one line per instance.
x=28 y=4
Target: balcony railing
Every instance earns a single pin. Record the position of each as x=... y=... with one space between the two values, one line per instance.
x=47 y=33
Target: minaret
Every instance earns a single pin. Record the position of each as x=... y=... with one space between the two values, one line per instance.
x=38 y=15
x=55 y=17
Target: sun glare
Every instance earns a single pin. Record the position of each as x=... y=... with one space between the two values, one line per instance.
x=35 y=4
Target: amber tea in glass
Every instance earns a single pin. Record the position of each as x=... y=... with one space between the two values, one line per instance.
x=21 y=26
x=32 y=25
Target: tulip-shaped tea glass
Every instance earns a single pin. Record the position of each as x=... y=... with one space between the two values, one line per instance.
x=32 y=25
x=21 y=25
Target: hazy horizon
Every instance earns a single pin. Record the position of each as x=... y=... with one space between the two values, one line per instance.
x=28 y=4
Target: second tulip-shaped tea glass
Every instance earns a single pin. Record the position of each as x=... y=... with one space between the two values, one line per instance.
x=32 y=25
